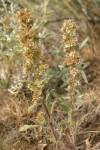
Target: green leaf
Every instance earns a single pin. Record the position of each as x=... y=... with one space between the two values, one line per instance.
x=64 y=106
x=64 y=85
x=4 y=83
x=83 y=44
x=26 y=127
x=84 y=76
x=86 y=65
x=32 y=107
x=52 y=107
x=48 y=98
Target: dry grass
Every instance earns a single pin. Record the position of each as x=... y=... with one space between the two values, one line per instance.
x=90 y=129
x=13 y=110
x=14 y=113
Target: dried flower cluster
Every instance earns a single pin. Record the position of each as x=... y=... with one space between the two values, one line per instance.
x=34 y=66
x=72 y=56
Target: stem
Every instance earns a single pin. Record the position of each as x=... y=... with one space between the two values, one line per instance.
x=73 y=126
x=50 y=120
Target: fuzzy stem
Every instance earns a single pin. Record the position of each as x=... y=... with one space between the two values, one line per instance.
x=51 y=123
x=73 y=126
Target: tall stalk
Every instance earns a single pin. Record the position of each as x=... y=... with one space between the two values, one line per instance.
x=72 y=61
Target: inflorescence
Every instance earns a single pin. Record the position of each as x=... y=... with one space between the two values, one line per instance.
x=34 y=65
x=72 y=59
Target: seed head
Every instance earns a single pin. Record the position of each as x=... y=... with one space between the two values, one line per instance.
x=25 y=18
x=72 y=58
x=69 y=33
